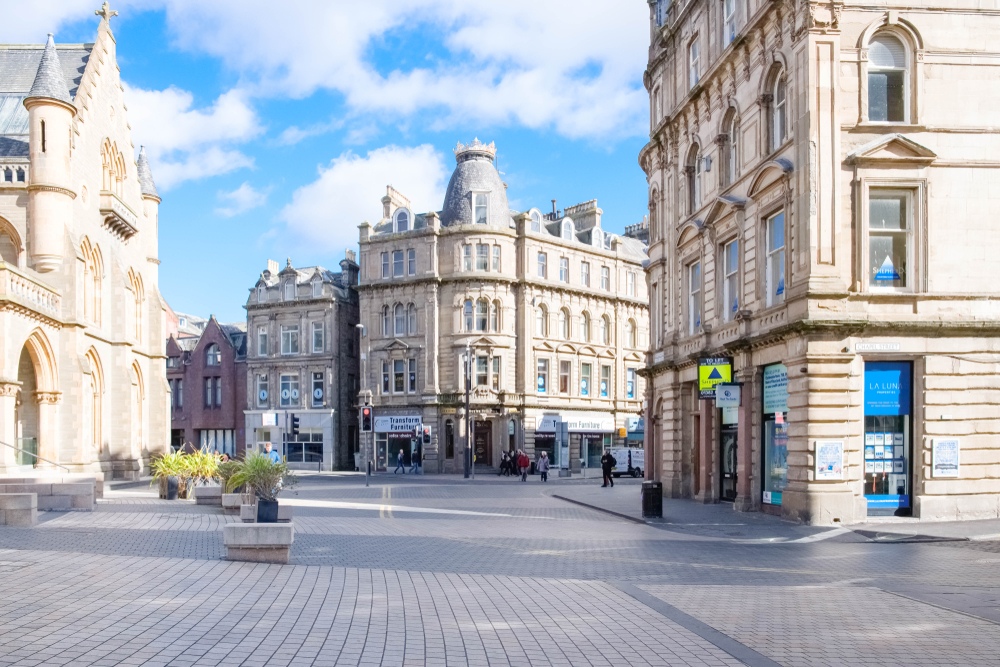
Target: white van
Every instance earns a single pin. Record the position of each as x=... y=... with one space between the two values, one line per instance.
x=631 y=461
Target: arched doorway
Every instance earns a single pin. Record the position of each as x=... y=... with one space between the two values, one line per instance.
x=36 y=399
x=482 y=442
x=26 y=410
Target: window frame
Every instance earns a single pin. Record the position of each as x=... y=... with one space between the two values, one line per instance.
x=411 y=380
x=411 y=262
x=399 y=376
x=605 y=387
x=541 y=321
x=585 y=274
x=318 y=328
x=730 y=273
x=292 y=339
x=482 y=257
x=385 y=377
x=915 y=193
x=411 y=319
x=543 y=265
x=565 y=323
x=399 y=320
x=398 y=264
x=694 y=296
x=496 y=377
x=289 y=286
x=400 y=212
x=631 y=384
x=630 y=281
x=779 y=110
x=565 y=376
x=907 y=76
x=729 y=21
x=262 y=342
x=291 y=382
x=317 y=381
x=385 y=265
x=262 y=385
x=496 y=258
x=694 y=61
x=476 y=206
x=213 y=355
x=317 y=289
x=542 y=376
x=605 y=278
x=467 y=261
x=770 y=296
x=586 y=370
x=564 y=269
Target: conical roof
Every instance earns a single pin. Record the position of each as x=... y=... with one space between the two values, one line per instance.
x=49 y=81
x=146 y=184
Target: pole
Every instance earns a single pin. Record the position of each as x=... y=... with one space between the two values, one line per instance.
x=364 y=391
x=468 y=435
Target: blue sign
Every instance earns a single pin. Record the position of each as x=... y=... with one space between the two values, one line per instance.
x=887 y=388
x=887 y=271
x=888 y=501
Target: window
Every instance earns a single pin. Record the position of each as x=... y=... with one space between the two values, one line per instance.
x=262 y=394
x=585 y=379
x=606 y=330
x=630 y=383
x=481 y=207
x=564 y=324
x=213 y=356
x=541 y=322
x=780 y=128
x=597 y=238
x=730 y=152
x=399 y=318
x=261 y=294
x=887 y=80
x=730 y=285
x=43 y=136
x=411 y=319
x=397 y=263
x=585 y=327
x=564 y=373
x=694 y=297
x=693 y=172
x=694 y=64
x=564 y=269
x=633 y=334
x=605 y=380
x=261 y=341
x=398 y=376
x=585 y=274
x=317 y=390
x=289 y=391
x=290 y=290
x=411 y=262
x=543 y=375
x=482 y=257
x=386 y=324
x=482 y=371
x=180 y=393
x=317 y=336
x=412 y=386
x=173 y=362
x=542 y=272
x=496 y=258
x=385 y=265
x=567 y=230
x=482 y=314
x=728 y=21
x=605 y=278
x=385 y=377
x=654 y=114
x=495 y=316
x=536 y=221
x=630 y=279
x=775 y=263
x=449 y=439
x=290 y=339
x=317 y=286
x=209 y=392
x=889 y=238
x=496 y=373
x=402 y=220
x=469 y=323
x=467 y=258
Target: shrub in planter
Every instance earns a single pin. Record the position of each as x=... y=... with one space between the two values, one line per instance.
x=266 y=479
x=168 y=470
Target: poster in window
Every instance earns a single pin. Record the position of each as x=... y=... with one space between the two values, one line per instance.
x=946 y=454
x=869 y=466
x=829 y=460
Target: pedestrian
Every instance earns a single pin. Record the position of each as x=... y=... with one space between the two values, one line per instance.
x=271 y=455
x=524 y=462
x=399 y=463
x=543 y=466
x=607 y=463
x=224 y=458
x=415 y=463
x=504 y=462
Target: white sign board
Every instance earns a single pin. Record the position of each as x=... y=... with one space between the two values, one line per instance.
x=269 y=419
x=775 y=389
x=727 y=396
x=876 y=347
x=581 y=422
x=945 y=457
x=396 y=423
x=829 y=460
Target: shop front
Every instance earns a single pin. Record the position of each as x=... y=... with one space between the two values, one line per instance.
x=774 y=475
x=590 y=436
x=888 y=437
x=395 y=433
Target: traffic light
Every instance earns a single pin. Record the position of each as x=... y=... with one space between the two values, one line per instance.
x=427 y=435
x=295 y=426
x=366 y=420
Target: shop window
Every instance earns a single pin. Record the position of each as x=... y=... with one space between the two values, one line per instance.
x=775 y=417
x=306 y=447
x=694 y=297
x=888 y=445
x=887 y=80
x=543 y=376
x=730 y=284
x=564 y=376
x=890 y=232
x=605 y=381
x=585 y=379
x=775 y=262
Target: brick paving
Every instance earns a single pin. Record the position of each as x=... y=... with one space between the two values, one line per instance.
x=433 y=572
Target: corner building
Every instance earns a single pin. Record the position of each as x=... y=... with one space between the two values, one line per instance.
x=551 y=309
x=822 y=184
x=82 y=323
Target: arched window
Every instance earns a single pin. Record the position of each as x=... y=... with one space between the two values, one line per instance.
x=779 y=122
x=632 y=334
x=10 y=243
x=606 y=330
x=564 y=323
x=567 y=230
x=469 y=323
x=495 y=316
x=693 y=171
x=536 y=221
x=137 y=299
x=386 y=330
x=213 y=356
x=92 y=272
x=887 y=80
x=399 y=316
x=730 y=152
x=411 y=319
x=402 y=220
x=585 y=327
x=597 y=238
x=541 y=321
x=482 y=314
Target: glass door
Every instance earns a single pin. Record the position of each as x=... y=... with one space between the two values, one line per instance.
x=888 y=446
x=727 y=457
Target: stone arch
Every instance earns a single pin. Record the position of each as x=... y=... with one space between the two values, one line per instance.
x=137 y=408
x=10 y=244
x=93 y=429
x=767 y=173
x=43 y=360
x=901 y=27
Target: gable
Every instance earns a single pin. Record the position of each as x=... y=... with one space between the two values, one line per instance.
x=892 y=148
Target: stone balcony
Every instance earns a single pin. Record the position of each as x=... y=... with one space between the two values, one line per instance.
x=31 y=296
x=119 y=219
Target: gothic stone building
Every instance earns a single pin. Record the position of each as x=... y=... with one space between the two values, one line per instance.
x=823 y=185
x=302 y=360
x=81 y=319
x=551 y=309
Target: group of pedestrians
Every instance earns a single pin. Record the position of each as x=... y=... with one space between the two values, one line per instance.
x=517 y=463
x=414 y=462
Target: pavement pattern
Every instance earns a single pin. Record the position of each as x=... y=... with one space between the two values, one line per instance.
x=444 y=571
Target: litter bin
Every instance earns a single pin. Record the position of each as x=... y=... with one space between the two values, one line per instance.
x=652 y=499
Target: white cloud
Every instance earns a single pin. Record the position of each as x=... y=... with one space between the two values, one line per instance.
x=326 y=213
x=242 y=199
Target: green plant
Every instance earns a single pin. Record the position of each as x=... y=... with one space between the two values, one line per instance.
x=266 y=478
x=167 y=465
x=225 y=472
x=201 y=466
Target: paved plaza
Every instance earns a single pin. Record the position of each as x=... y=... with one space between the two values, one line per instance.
x=445 y=571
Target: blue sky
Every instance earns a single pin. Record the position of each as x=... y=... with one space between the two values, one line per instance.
x=273 y=128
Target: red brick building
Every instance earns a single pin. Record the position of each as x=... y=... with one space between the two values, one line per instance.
x=207 y=377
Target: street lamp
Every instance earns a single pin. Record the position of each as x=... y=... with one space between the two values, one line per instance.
x=364 y=390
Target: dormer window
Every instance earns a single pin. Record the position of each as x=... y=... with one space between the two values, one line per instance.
x=261 y=294
x=536 y=221
x=213 y=356
x=480 y=207
x=567 y=230
x=182 y=322
x=317 y=288
x=597 y=238
x=290 y=290
x=402 y=220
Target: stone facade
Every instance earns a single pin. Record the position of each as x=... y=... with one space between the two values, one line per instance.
x=551 y=309
x=81 y=319
x=302 y=360
x=207 y=375
x=821 y=180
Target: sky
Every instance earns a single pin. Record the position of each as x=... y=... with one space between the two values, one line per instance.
x=273 y=128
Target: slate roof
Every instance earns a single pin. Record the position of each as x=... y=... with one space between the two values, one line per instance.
x=475 y=173
x=146 y=184
x=49 y=81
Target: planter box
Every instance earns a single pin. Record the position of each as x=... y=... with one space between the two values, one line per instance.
x=258 y=542
x=57 y=496
x=208 y=495
x=18 y=509
x=231 y=502
x=248 y=514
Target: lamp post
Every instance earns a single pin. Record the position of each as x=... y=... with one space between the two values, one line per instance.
x=364 y=390
x=468 y=386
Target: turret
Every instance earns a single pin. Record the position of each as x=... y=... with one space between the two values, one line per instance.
x=50 y=118
x=150 y=207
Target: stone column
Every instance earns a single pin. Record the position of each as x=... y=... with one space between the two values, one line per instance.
x=47 y=420
x=706 y=453
x=747 y=481
x=8 y=424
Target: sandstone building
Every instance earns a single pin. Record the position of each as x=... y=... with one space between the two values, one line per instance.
x=81 y=319
x=550 y=309
x=823 y=185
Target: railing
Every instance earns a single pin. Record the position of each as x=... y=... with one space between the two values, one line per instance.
x=27 y=291
x=34 y=455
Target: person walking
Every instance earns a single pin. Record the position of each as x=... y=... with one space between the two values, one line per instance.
x=271 y=455
x=524 y=462
x=399 y=463
x=607 y=463
x=415 y=462
x=543 y=466
x=504 y=463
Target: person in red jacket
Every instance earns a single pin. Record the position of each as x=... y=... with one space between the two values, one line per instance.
x=523 y=462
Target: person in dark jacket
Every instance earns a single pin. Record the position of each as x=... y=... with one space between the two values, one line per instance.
x=399 y=463
x=504 y=465
x=607 y=463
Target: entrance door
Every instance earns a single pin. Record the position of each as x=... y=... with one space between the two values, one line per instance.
x=727 y=456
x=483 y=443
x=888 y=437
